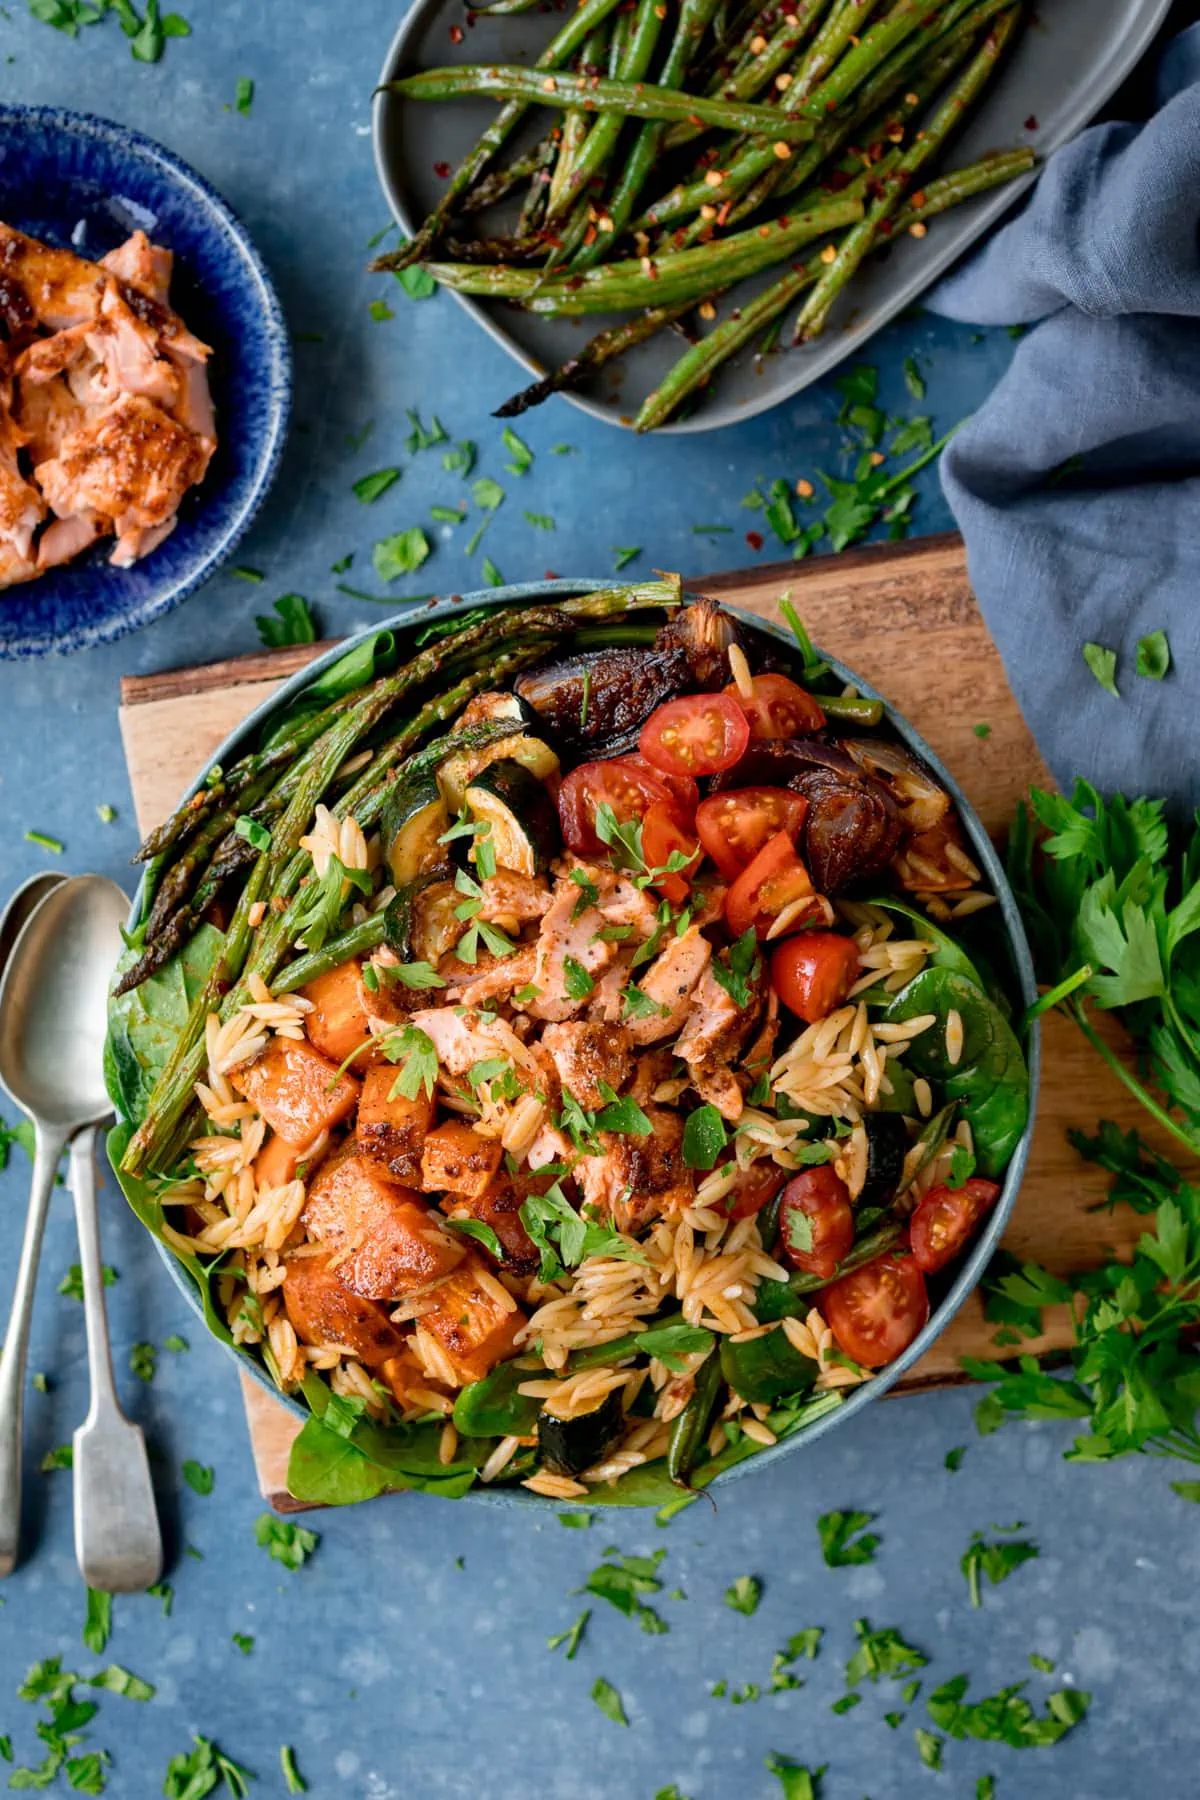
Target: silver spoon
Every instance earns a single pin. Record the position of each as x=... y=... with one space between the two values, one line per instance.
x=25 y=901
x=53 y=997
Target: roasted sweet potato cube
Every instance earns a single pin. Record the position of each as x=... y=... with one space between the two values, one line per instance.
x=388 y=1242
x=391 y=1130
x=410 y=1385
x=500 y=1207
x=324 y=1311
x=337 y=1025
x=297 y=1090
x=457 y=1160
x=279 y=1162
x=469 y=1322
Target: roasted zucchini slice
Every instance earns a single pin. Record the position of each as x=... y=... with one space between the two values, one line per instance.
x=534 y=753
x=523 y=818
x=569 y=1446
x=414 y=819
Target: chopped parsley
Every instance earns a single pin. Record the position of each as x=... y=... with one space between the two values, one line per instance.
x=401 y=554
x=744 y=1594
x=623 y=555
x=1006 y=1717
x=1153 y=656
x=62 y=1456
x=242 y=1642
x=422 y=437
x=573 y=1633
x=1103 y=664
x=576 y=979
x=637 y=1004
x=45 y=842
x=199 y=1771
x=198 y=1476
x=414 y=1049
x=881 y=1653
x=368 y=488
x=954 y=1458
x=460 y=460
x=993 y=1561
x=795 y=1781
x=143 y=1361
x=609 y=1701
x=739 y=966
x=487 y=494
x=845 y=1540
x=72 y=1282
x=541 y=521
x=518 y=449
x=284 y=1541
x=97 y=1624
x=293 y=1779
x=293 y=623
x=482 y=1233
x=491 y=573
x=244 y=99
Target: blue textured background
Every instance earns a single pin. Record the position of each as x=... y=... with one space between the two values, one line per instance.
x=394 y=1672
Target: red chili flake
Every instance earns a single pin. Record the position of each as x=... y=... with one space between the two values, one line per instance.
x=551 y=575
x=1031 y=123
x=754 y=539
x=457 y=34
x=840 y=178
x=442 y=171
x=693 y=120
x=589 y=236
x=723 y=215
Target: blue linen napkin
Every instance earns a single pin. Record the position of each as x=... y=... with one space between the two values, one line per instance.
x=1077 y=484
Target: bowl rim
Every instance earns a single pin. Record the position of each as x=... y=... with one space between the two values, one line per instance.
x=174 y=170
x=1131 y=45
x=988 y=1240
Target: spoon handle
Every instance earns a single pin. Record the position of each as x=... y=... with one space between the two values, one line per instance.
x=103 y=1400
x=118 y=1545
x=49 y=1147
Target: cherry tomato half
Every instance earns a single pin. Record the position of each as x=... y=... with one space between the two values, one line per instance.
x=875 y=1312
x=754 y=1187
x=630 y=788
x=698 y=734
x=945 y=1219
x=661 y=834
x=813 y=973
x=734 y=825
x=780 y=708
x=771 y=882
x=681 y=789
x=816 y=1221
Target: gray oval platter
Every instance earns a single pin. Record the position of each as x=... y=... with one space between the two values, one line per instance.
x=1070 y=59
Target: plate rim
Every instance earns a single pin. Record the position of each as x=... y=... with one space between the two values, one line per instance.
x=279 y=372
x=1135 y=40
x=985 y=1245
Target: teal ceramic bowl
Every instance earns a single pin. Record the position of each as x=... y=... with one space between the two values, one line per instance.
x=1025 y=986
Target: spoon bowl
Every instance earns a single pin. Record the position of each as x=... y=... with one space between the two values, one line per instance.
x=53 y=998
x=24 y=903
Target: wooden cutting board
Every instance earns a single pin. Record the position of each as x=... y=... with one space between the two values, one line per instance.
x=904 y=617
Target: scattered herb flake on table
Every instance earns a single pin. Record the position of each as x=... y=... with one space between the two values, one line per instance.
x=369 y=487
x=285 y=1541
x=62 y=1456
x=576 y=1521
x=294 y=624
x=242 y=1642
x=401 y=554
x=1153 y=656
x=795 y=1780
x=71 y=1285
x=913 y=379
x=380 y=311
x=929 y=1747
x=842 y=1546
x=296 y=1783
x=460 y=460
x=491 y=573
x=197 y=1772
x=143 y=1361
x=163 y=1591
x=1103 y=664
x=198 y=1476
x=609 y=1701
x=245 y=95
x=744 y=1595
x=1006 y=1717
x=518 y=449
x=954 y=1458
x=45 y=842
x=244 y=574
x=423 y=437
x=996 y=1561
x=572 y=1635
x=541 y=521
x=624 y=555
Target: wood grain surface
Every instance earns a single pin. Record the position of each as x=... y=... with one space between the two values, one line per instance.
x=902 y=616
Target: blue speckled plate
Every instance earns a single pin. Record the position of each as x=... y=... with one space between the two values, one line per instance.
x=964 y=1276
x=86 y=183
